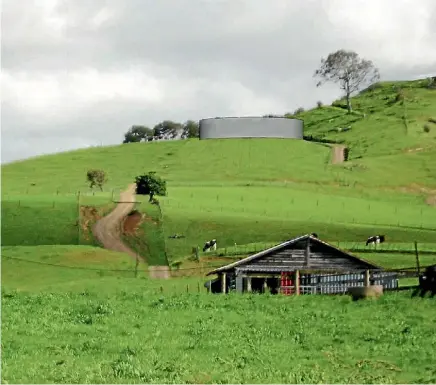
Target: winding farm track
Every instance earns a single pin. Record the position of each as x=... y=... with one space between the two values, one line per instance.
x=107 y=231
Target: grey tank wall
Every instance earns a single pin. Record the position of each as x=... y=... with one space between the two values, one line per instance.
x=219 y=128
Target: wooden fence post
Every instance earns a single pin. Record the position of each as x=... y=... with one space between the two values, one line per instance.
x=248 y=284
x=223 y=283
x=367 y=278
x=418 y=268
x=136 y=266
x=297 y=282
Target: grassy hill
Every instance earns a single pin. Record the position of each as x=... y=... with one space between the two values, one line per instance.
x=257 y=190
x=386 y=132
x=73 y=312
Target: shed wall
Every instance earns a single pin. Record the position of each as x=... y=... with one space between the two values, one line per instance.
x=292 y=259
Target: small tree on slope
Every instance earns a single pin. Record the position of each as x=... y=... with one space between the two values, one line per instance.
x=96 y=178
x=150 y=184
x=349 y=70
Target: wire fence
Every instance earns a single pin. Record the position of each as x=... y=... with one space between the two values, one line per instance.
x=358 y=247
x=323 y=283
x=322 y=209
x=406 y=271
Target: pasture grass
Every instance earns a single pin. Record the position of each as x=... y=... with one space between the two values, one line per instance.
x=290 y=204
x=253 y=215
x=29 y=220
x=130 y=334
x=33 y=268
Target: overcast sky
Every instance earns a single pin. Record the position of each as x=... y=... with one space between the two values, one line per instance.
x=79 y=73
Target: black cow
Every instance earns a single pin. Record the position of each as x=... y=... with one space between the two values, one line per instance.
x=210 y=245
x=427 y=282
x=375 y=239
x=315 y=235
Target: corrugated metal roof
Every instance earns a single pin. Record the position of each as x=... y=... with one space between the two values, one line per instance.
x=284 y=245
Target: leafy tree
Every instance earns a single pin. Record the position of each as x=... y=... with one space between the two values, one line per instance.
x=167 y=129
x=191 y=129
x=96 y=178
x=150 y=184
x=137 y=134
x=347 y=69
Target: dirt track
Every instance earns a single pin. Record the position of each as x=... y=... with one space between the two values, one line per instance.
x=108 y=231
x=338 y=154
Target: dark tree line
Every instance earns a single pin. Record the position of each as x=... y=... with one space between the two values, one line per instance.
x=161 y=131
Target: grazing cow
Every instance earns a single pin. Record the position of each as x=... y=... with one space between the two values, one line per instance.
x=210 y=245
x=315 y=235
x=427 y=281
x=375 y=240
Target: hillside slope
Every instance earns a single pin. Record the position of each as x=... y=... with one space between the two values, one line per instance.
x=255 y=190
x=383 y=153
x=389 y=118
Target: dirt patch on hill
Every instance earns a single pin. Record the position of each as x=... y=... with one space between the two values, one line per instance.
x=88 y=216
x=431 y=200
x=159 y=272
x=339 y=154
x=415 y=188
x=132 y=222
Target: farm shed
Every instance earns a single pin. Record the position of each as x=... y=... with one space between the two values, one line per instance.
x=303 y=265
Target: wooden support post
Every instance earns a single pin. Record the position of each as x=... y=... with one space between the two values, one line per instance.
x=418 y=267
x=265 y=286
x=307 y=253
x=223 y=283
x=136 y=265
x=297 y=282
x=249 y=284
x=367 y=278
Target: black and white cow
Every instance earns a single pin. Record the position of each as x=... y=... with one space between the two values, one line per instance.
x=427 y=281
x=375 y=240
x=210 y=245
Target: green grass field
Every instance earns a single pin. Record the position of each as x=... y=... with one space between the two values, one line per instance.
x=49 y=267
x=129 y=334
x=73 y=312
x=29 y=220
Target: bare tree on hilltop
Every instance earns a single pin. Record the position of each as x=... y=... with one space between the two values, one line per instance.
x=349 y=70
